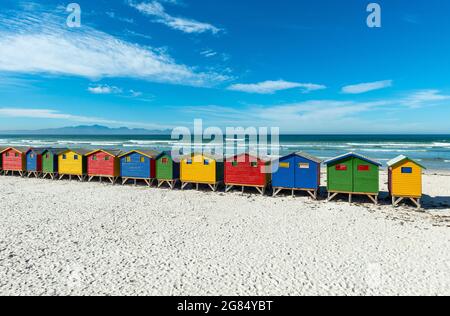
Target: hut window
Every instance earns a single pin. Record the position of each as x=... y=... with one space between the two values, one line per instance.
x=235 y=163
x=94 y=157
x=407 y=170
x=142 y=159
x=32 y=156
x=106 y=158
x=254 y=164
x=206 y=162
x=303 y=165
x=189 y=162
x=64 y=157
x=128 y=159
x=75 y=157
x=17 y=155
x=341 y=167
x=46 y=156
x=286 y=165
x=363 y=168
x=165 y=161
x=7 y=154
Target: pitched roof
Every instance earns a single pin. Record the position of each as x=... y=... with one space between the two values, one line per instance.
x=308 y=156
x=21 y=149
x=210 y=156
x=55 y=151
x=111 y=152
x=79 y=151
x=400 y=159
x=352 y=154
x=262 y=158
x=149 y=153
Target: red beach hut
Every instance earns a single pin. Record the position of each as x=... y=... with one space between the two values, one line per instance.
x=14 y=160
x=245 y=170
x=103 y=164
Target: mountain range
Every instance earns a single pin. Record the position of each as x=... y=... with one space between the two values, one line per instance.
x=89 y=130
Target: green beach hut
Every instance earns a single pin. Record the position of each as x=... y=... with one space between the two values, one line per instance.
x=50 y=162
x=167 y=170
x=353 y=174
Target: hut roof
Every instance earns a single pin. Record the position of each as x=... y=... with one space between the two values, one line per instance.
x=38 y=151
x=79 y=151
x=111 y=152
x=148 y=153
x=398 y=160
x=21 y=149
x=355 y=155
x=262 y=158
x=308 y=156
x=210 y=156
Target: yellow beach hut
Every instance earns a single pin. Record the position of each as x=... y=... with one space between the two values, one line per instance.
x=72 y=163
x=201 y=169
x=405 y=180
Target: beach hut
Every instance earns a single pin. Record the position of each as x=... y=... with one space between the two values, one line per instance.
x=72 y=163
x=297 y=172
x=167 y=170
x=353 y=174
x=405 y=180
x=247 y=171
x=14 y=160
x=34 y=162
x=138 y=165
x=199 y=169
x=50 y=162
x=103 y=164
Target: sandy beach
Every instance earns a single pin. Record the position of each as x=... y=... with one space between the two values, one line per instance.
x=71 y=238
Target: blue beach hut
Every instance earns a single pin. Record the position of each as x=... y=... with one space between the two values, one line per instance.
x=297 y=172
x=34 y=162
x=138 y=165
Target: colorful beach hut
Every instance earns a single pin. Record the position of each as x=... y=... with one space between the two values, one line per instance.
x=50 y=162
x=72 y=163
x=14 y=160
x=34 y=162
x=405 y=180
x=353 y=174
x=138 y=165
x=247 y=171
x=167 y=170
x=199 y=169
x=297 y=172
x=103 y=164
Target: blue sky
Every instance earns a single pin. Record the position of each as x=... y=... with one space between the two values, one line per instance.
x=304 y=66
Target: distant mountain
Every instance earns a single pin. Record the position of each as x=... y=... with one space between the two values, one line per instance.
x=89 y=130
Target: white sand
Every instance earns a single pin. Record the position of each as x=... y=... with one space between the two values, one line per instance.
x=62 y=237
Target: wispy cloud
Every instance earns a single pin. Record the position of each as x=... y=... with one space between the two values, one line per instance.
x=157 y=10
x=367 y=87
x=270 y=87
x=425 y=97
x=37 y=44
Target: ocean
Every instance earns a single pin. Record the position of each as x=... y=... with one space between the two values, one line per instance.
x=433 y=151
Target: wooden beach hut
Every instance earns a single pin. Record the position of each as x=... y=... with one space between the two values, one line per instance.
x=50 y=162
x=297 y=172
x=138 y=165
x=34 y=162
x=72 y=163
x=14 y=160
x=247 y=171
x=353 y=174
x=405 y=180
x=103 y=164
x=167 y=170
x=199 y=169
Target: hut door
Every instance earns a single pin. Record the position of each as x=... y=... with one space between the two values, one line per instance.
x=285 y=176
x=365 y=177
x=341 y=176
x=31 y=162
x=305 y=174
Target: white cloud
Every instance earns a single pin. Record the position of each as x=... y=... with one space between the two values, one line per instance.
x=366 y=87
x=425 y=97
x=104 y=89
x=42 y=45
x=208 y=53
x=156 y=10
x=270 y=87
